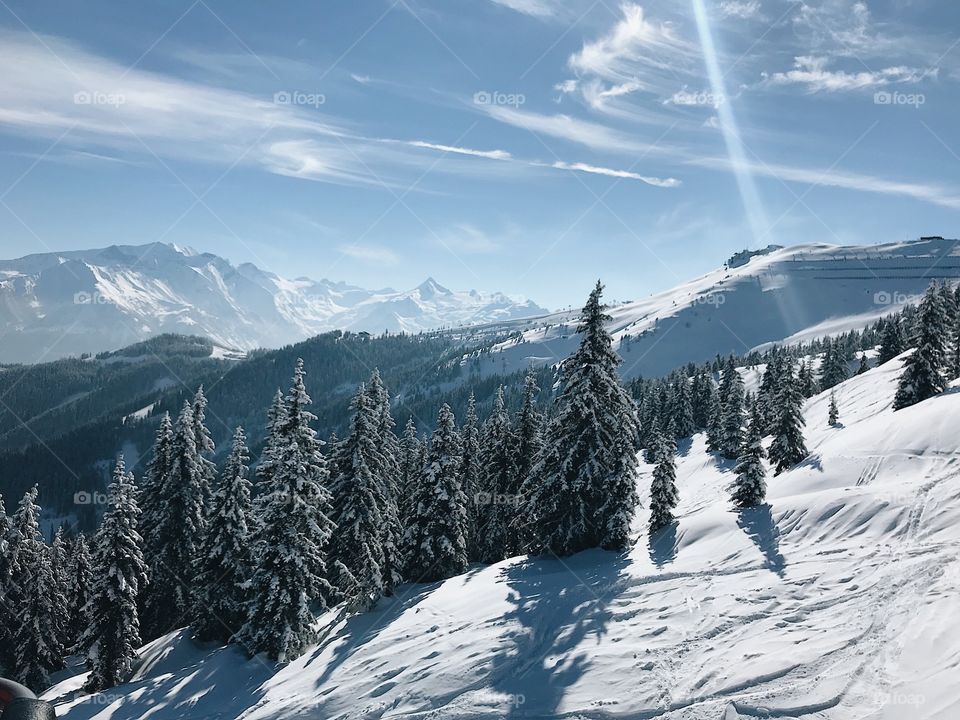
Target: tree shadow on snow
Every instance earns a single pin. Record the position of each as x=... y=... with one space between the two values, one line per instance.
x=758 y=523
x=683 y=446
x=562 y=607
x=662 y=545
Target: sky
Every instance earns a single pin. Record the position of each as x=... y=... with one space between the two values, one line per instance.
x=526 y=146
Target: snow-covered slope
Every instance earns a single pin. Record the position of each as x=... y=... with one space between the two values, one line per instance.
x=794 y=294
x=837 y=601
x=59 y=304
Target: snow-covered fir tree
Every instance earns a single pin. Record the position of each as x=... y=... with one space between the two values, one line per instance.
x=582 y=491
x=528 y=438
x=81 y=587
x=37 y=647
x=834 y=369
x=225 y=561
x=864 y=364
x=808 y=384
x=833 y=414
x=290 y=569
x=497 y=477
x=732 y=425
x=205 y=445
x=925 y=370
x=682 y=408
x=750 y=486
x=664 y=496
x=113 y=635
x=470 y=474
x=153 y=616
x=386 y=475
x=7 y=613
x=714 y=423
x=60 y=570
x=179 y=531
x=788 y=446
x=356 y=557
x=436 y=534
x=411 y=465
x=891 y=342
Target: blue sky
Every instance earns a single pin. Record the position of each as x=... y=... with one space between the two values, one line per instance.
x=528 y=146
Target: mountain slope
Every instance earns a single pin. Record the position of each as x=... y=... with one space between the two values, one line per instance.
x=793 y=293
x=58 y=304
x=837 y=601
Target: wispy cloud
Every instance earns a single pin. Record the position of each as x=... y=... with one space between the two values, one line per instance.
x=535 y=8
x=813 y=74
x=371 y=254
x=609 y=172
x=489 y=154
x=741 y=9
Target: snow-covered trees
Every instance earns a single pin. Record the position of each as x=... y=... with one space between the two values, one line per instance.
x=81 y=587
x=834 y=368
x=289 y=553
x=497 y=473
x=356 y=558
x=788 y=447
x=113 y=634
x=470 y=474
x=731 y=393
x=224 y=563
x=892 y=342
x=151 y=504
x=750 y=487
x=833 y=414
x=436 y=534
x=582 y=493
x=663 y=489
x=411 y=464
x=35 y=637
x=925 y=370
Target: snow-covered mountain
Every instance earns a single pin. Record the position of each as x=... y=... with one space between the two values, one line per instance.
x=58 y=304
x=776 y=295
x=838 y=602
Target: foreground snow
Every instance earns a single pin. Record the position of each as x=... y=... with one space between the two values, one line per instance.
x=837 y=601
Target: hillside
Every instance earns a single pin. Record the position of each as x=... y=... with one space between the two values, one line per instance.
x=796 y=293
x=837 y=601
x=58 y=304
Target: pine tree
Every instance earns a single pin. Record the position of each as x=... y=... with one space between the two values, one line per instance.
x=732 y=428
x=387 y=474
x=35 y=638
x=179 y=531
x=152 y=508
x=497 y=476
x=8 y=618
x=113 y=635
x=289 y=555
x=834 y=413
x=864 y=364
x=788 y=447
x=892 y=342
x=834 y=369
x=81 y=588
x=205 y=445
x=411 y=465
x=356 y=555
x=808 y=386
x=225 y=562
x=529 y=446
x=664 y=496
x=470 y=475
x=750 y=487
x=714 y=423
x=436 y=535
x=924 y=371
x=582 y=492
x=60 y=590
x=683 y=408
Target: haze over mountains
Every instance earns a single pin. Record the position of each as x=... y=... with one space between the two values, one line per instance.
x=58 y=304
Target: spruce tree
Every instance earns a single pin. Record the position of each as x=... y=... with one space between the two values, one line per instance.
x=152 y=509
x=683 y=407
x=113 y=635
x=788 y=447
x=290 y=568
x=834 y=369
x=356 y=556
x=205 y=445
x=8 y=616
x=497 y=475
x=834 y=412
x=732 y=424
x=664 y=496
x=470 y=474
x=436 y=535
x=864 y=364
x=528 y=447
x=60 y=590
x=582 y=492
x=892 y=342
x=81 y=588
x=225 y=564
x=750 y=487
x=925 y=370
x=808 y=385
x=411 y=466
x=714 y=423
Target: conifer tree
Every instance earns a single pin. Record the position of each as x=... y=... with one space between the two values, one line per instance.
x=924 y=371
x=205 y=445
x=356 y=556
x=864 y=364
x=411 y=466
x=834 y=368
x=152 y=508
x=715 y=423
x=225 y=564
x=834 y=412
x=892 y=342
x=664 y=496
x=289 y=554
x=60 y=590
x=470 y=474
x=271 y=446
x=81 y=588
x=529 y=430
x=582 y=492
x=732 y=428
x=497 y=474
x=113 y=635
x=436 y=535
x=7 y=601
x=35 y=638
x=808 y=386
x=682 y=407
x=788 y=447
x=750 y=487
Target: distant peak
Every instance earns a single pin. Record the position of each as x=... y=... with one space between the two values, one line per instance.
x=430 y=287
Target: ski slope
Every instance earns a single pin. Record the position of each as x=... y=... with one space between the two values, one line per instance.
x=838 y=600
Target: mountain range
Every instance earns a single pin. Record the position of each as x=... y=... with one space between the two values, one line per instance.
x=88 y=301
